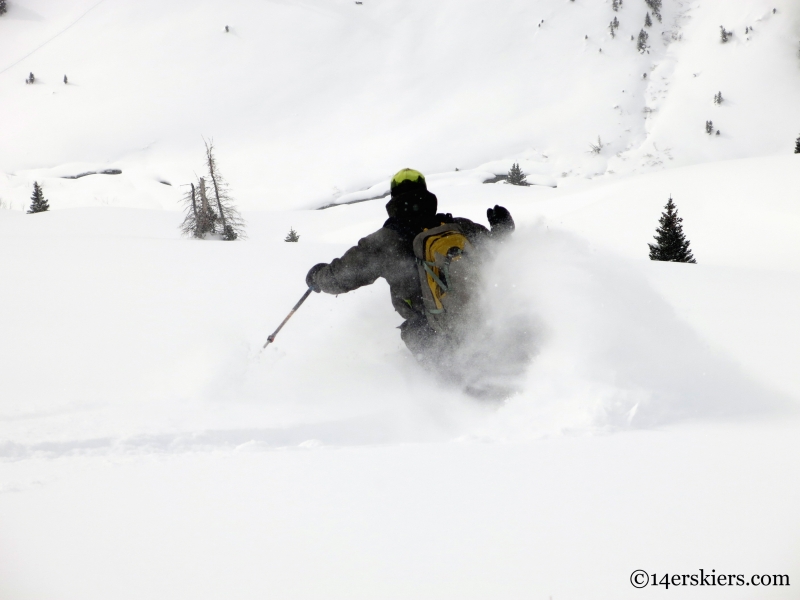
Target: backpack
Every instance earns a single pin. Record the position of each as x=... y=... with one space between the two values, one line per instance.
x=447 y=263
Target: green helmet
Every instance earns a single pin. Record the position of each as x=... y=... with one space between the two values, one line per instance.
x=407 y=180
x=411 y=201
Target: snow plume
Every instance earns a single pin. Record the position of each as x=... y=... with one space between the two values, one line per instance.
x=610 y=352
x=570 y=339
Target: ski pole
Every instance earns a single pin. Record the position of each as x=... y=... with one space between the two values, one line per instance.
x=271 y=338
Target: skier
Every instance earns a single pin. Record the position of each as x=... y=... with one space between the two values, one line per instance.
x=390 y=253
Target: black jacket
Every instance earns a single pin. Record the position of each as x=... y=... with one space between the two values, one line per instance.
x=389 y=253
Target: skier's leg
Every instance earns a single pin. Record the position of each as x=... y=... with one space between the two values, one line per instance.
x=420 y=338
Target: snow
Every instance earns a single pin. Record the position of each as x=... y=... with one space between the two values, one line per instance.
x=150 y=448
x=308 y=100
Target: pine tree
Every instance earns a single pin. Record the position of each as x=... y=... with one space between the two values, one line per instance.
x=613 y=26
x=672 y=245
x=709 y=127
x=797 y=145
x=232 y=222
x=292 y=236
x=718 y=98
x=516 y=176
x=3 y=7
x=723 y=35
x=655 y=6
x=615 y=4
x=641 y=43
x=648 y=22
x=38 y=201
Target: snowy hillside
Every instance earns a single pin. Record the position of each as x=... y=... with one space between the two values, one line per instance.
x=145 y=431
x=149 y=448
x=308 y=100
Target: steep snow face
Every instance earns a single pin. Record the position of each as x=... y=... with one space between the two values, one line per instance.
x=755 y=72
x=313 y=99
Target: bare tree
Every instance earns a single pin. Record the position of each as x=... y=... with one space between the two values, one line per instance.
x=200 y=217
x=232 y=222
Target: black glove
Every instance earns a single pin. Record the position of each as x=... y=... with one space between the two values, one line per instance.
x=310 y=277
x=500 y=219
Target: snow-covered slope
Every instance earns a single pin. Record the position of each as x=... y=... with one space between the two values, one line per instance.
x=310 y=99
x=150 y=449
x=143 y=426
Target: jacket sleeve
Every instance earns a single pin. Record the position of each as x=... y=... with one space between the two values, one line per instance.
x=360 y=265
x=475 y=232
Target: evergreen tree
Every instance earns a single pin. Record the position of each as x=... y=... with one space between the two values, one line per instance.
x=655 y=6
x=516 y=176
x=38 y=201
x=718 y=98
x=641 y=43
x=723 y=35
x=648 y=22
x=3 y=7
x=672 y=245
x=797 y=145
x=709 y=127
x=615 y=4
x=613 y=26
x=292 y=236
